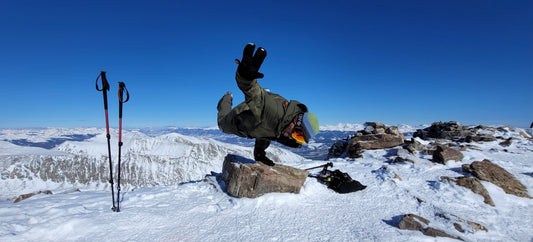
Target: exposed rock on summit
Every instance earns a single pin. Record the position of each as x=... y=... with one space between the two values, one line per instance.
x=247 y=178
x=487 y=171
x=455 y=132
x=443 y=154
x=374 y=136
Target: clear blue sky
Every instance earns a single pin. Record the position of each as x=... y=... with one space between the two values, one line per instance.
x=412 y=62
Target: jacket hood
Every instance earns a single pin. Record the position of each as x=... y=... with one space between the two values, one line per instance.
x=294 y=108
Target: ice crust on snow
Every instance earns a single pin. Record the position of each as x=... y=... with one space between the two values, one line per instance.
x=200 y=210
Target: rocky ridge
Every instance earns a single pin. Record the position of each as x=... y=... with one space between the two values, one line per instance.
x=443 y=142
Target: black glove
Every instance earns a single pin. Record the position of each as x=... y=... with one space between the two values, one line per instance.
x=250 y=63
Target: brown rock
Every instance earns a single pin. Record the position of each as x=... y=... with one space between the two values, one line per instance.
x=448 y=130
x=476 y=226
x=246 y=178
x=480 y=138
x=412 y=222
x=469 y=226
x=401 y=159
x=507 y=142
x=463 y=225
x=374 y=136
x=413 y=146
x=476 y=187
x=473 y=184
x=28 y=195
x=438 y=233
x=488 y=171
x=378 y=141
x=444 y=154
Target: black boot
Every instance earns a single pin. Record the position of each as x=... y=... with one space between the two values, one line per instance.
x=259 y=152
x=265 y=160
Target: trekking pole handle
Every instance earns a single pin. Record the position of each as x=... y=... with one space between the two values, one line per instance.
x=121 y=89
x=105 y=84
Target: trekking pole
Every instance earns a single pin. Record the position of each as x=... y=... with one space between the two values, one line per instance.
x=330 y=164
x=121 y=89
x=104 y=89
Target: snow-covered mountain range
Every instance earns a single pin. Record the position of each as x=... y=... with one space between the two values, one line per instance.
x=165 y=159
x=171 y=193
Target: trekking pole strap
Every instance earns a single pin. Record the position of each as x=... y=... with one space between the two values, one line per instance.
x=121 y=89
x=105 y=84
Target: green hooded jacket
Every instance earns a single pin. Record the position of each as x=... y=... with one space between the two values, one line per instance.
x=263 y=115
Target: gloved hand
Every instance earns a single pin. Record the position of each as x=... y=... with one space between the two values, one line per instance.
x=250 y=63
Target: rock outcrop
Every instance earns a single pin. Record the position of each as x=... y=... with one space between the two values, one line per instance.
x=374 y=136
x=448 y=130
x=487 y=171
x=456 y=132
x=415 y=222
x=247 y=178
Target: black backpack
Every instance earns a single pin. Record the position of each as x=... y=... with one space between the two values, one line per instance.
x=338 y=181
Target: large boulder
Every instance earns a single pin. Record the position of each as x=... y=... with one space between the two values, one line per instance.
x=487 y=171
x=247 y=178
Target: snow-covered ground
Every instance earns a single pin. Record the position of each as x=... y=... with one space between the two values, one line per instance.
x=200 y=210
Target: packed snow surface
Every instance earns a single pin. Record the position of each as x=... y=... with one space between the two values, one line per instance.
x=200 y=210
